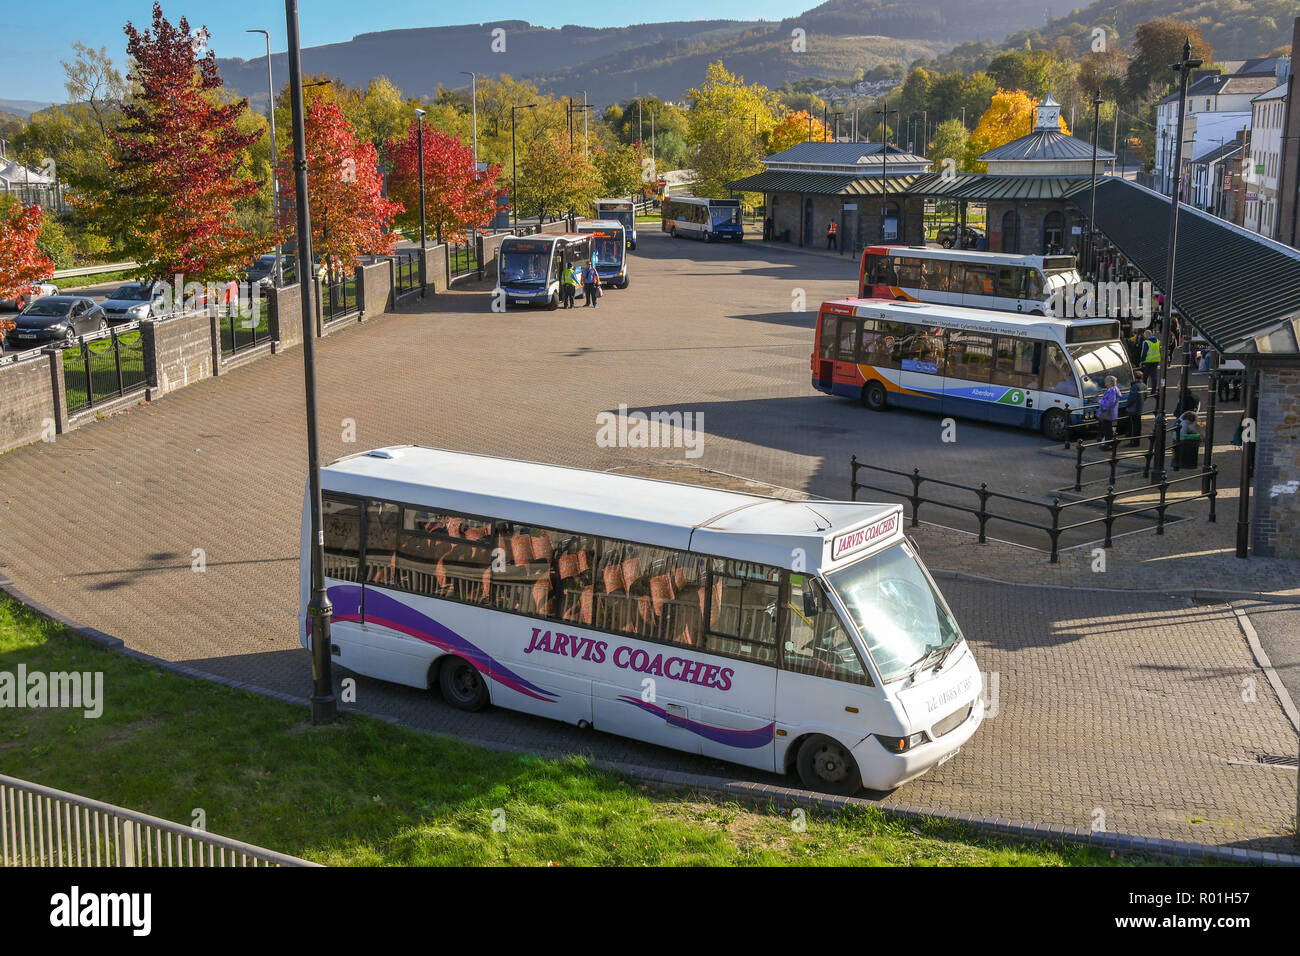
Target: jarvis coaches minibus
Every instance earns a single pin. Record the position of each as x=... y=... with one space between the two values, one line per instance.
x=1035 y=372
x=790 y=636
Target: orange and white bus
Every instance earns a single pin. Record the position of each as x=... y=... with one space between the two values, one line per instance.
x=978 y=280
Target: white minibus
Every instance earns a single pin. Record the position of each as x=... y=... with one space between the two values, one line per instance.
x=529 y=267
x=789 y=636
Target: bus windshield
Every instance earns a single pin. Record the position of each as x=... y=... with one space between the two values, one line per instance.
x=725 y=215
x=606 y=250
x=526 y=268
x=1096 y=360
x=902 y=618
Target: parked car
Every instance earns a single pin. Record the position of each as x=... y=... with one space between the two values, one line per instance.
x=134 y=301
x=55 y=318
x=970 y=237
x=35 y=291
x=262 y=271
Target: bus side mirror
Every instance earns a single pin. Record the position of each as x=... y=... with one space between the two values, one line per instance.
x=810 y=602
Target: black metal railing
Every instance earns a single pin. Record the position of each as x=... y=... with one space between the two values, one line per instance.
x=406 y=268
x=462 y=259
x=338 y=297
x=103 y=366
x=1054 y=509
x=245 y=327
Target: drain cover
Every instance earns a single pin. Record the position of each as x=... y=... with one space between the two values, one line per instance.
x=1274 y=760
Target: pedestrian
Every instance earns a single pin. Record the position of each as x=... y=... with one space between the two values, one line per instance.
x=568 y=286
x=1137 y=397
x=768 y=228
x=831 y=228
x=1108 y=410
x=590 y=285
x=1151 y=359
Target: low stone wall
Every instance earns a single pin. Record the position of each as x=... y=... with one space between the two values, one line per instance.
x=435 y=268
x=28 y=407
x=179 y=351
x=375 y=288
x=488 y=253
x=286 y=316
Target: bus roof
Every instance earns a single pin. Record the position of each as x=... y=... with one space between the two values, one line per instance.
x=623 y=199
x=747 y=527
x=598 y=224
x=960 y=255
x=924 y=312
x=550 y=237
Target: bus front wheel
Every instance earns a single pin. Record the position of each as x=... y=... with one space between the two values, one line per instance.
x=875 y=397
x=1055 y=425
x=825 y=765
x=462 y=685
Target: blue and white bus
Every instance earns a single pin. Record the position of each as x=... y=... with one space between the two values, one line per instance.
x=1031 y=371
x=529 y=267
x=620 y=210
x=706 y=219
x=608 y=250
x=789 y=636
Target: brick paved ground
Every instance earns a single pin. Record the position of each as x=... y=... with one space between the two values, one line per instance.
x=1128 y=703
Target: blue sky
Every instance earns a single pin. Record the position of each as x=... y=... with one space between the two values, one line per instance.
x=35 y=36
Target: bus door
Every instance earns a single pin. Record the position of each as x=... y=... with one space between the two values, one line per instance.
x=847 y=376
x=736 y=709
x=920 y=351
x=826 y=341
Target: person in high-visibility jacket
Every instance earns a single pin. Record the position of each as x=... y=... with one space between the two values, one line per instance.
x=1151 y=359
x=831 y=229
x=568 y=286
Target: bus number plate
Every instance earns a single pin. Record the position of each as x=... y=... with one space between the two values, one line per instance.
x=946 y=757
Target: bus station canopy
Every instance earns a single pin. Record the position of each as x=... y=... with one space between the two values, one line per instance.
x=1239 y=289
x=824 y=184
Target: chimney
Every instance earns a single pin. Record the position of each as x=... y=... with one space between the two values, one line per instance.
x=1282 y=69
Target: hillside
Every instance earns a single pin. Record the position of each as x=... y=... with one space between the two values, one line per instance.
x=942 y=21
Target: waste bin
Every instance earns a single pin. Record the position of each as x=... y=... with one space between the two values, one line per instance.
x=1187 y=451
x=785 y=235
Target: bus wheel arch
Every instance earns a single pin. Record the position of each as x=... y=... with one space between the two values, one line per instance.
x=461 y=683
x=825 y=765
x=1054 y=424
x=875 y=396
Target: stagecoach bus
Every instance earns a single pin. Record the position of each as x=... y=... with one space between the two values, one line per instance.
x=620 y=210
x=978 y=280
x=529 y=267
x=608 y=250
x=706 y=219
x=790 y=636
x=1031 y=371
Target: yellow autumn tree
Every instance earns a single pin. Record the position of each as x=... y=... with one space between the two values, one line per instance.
x=793 y=129
x=1010 y=116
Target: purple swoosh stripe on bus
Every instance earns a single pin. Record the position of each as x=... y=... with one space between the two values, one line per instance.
x=381 y=609
x=743 y=739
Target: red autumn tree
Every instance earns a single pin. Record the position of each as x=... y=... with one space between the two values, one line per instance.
x=21 y=260
x=175 y=163
x=456 y=198
x=349 y=214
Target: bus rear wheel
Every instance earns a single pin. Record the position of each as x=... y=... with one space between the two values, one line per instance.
x=1054 y=425
x=825 y=765
x=462 y=685
x=875 y=397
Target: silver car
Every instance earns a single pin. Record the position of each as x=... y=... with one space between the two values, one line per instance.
x=132 y=302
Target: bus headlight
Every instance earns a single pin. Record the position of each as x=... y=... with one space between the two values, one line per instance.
x=898 y=745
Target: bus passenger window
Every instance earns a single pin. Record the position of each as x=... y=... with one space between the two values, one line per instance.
x=847 y=349
x=814 y=641
x=341 y=522
x=909 y=272
x=1017 y=362
x=1058 y=373
x=1010 y=281
x=979 y=280
x=381 y=543
x=970 y=355
x=956 y=276
x=871 y=269
x=1033 y=284
x=743 y=611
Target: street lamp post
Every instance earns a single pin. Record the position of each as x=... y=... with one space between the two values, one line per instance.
x=514 y=162
x=1183 y=67
x=585 y=107
x=883 y=113
x=419 y=137
x=276 y=274
x=1092 y=203
x=324 y=706
x=473 y=109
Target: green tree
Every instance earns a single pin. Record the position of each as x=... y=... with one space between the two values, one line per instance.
x=949 y=144
x=554 y=179
x=720 y=140
x=1157 y=44
x=620 y=170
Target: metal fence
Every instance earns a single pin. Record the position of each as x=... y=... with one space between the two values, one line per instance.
x=462 y=259
x=1055 y=509
x=41 y=826
x=103 y=366
x=339 y=297
x=407 y=268
x=241 y=330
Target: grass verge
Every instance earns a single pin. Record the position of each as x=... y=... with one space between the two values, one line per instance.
x=363 y=792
